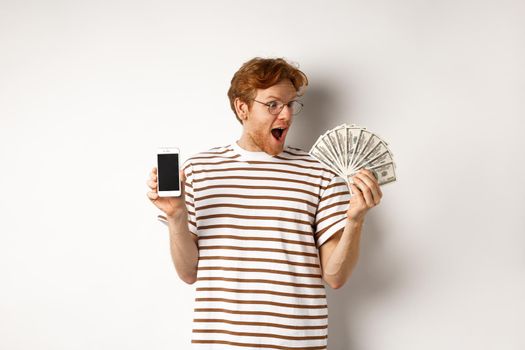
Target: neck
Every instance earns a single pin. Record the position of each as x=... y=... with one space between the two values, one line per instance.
x=246 y=142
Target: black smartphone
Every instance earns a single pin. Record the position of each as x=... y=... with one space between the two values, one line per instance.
x=168 y=180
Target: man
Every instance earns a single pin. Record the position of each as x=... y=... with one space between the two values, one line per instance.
x=260 y=225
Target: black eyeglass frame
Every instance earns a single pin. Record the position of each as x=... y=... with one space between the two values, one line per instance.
x=267 y=104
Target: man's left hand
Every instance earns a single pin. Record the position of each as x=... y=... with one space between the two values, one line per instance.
x=366 y=194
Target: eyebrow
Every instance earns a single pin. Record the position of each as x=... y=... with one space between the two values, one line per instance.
x=278 y=98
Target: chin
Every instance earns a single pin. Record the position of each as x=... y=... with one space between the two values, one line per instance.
x=275 y=150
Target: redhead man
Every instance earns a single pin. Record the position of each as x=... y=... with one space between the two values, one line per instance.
x=261 y=225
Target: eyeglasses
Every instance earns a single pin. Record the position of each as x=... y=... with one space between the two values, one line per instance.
x=275 y=107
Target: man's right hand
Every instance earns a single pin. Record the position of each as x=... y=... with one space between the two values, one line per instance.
x=172 y=206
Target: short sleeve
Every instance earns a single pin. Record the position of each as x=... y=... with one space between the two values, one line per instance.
x=190 y=197
x=330 y=216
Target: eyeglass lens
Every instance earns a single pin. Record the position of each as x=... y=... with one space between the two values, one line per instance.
x=276 y=108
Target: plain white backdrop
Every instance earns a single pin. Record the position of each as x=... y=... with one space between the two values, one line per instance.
x=89 y=89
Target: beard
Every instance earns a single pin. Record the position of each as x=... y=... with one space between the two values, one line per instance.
x=265 y=141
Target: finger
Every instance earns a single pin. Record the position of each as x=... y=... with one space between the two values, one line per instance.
x=369 y=174
x=356 y=193
x=365 y=190
x=153 y=174
x=372 y=185
x=182 y=177
x=152 y=185
x=376 y=180
x=152 y=195
x=355 y=190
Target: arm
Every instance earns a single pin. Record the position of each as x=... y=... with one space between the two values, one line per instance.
x=183 y=243
x=340 y=252
x=183 y=247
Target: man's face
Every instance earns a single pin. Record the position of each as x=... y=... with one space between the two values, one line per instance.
x=260 y=122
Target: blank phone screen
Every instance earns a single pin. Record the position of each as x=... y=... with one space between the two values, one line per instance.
x=168 y=172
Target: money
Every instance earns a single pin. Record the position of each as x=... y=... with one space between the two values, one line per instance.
x=384 y=173
x=348 y=148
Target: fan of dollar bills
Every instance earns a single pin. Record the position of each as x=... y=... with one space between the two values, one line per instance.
x=348 y=148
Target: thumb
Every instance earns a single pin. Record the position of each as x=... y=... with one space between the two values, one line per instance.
x=182 y=177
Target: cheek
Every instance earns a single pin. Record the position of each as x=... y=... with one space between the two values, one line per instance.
x=260 y=124
x=260 y=127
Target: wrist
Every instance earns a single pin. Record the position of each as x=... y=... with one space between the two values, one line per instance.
x=356 y=222
x=177 y=216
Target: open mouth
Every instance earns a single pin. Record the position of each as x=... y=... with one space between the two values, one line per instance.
x=278 y=133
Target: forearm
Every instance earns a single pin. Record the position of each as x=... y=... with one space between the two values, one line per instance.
x=183 y=248
x=344 y=257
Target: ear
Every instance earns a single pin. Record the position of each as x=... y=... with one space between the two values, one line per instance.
x=241 y=108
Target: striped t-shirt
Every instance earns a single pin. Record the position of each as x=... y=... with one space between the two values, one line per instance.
x=260 y=220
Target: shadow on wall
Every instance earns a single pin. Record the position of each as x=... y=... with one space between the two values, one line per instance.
x=348 y=305
x=320 y=113
x=373 y=280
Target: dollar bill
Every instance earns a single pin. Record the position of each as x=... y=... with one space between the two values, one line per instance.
x=372 y=142
x=348 y=148
x=378 y=149
x=362 y=143
x=355 y=135
x=342 y=140
x=381 y=159
x=321 y=151
x=323 y=158
x=384 y=173
x=336 y=147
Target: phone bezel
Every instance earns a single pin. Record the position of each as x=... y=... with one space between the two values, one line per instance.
x=167 y=150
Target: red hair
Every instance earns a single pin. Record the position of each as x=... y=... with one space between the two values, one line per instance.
x=261 y=73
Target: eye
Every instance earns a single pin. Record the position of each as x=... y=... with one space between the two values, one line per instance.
x=272 y=104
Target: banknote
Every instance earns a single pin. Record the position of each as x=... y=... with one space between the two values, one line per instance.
x=346 y=149
x=323 y=154
x=384 y=173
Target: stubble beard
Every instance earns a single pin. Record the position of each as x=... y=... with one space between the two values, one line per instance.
x=265 y=144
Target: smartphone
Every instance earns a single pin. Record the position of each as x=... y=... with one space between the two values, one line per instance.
x=168 y=180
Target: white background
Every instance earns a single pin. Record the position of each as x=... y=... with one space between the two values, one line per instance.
x=89 y=89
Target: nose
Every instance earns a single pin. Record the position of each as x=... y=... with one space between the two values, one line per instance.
x=286 y=113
